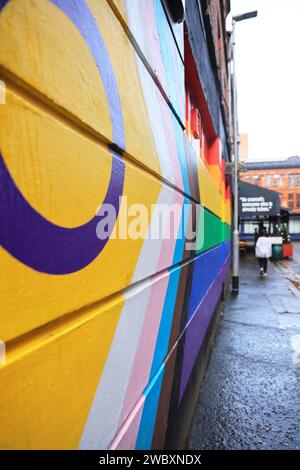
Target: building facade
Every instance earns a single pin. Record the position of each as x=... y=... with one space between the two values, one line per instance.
x=110 y=105
x=282 y=176
x=244 y=148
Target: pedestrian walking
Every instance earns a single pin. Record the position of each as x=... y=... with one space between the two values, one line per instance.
x=263 y=252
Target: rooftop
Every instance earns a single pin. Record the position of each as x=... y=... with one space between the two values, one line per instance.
x=291 y=162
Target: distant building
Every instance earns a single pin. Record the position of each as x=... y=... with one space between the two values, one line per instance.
x=243 y=147
x=282 y=176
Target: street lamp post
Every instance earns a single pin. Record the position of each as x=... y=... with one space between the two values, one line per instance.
x=235 y=262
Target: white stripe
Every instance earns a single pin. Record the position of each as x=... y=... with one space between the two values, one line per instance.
x=104 y=416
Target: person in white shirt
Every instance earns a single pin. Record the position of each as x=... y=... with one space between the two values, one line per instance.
x=263 y=251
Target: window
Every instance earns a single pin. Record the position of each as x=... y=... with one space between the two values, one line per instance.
x=294 y=226
x=291 y=201
x=268 y=180
x=255 y=179
x=276 y=180
x=283 y=179
x=294 y=180
x=298 y=200
x=247 y=179
x=249 y=228
x=194 y=129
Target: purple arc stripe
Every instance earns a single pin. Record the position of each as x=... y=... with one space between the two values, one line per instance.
x=27 y=235
x=3 y=3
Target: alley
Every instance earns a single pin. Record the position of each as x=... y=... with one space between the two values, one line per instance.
x=250 y=396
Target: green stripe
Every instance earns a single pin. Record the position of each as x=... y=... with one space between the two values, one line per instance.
x=215 y=232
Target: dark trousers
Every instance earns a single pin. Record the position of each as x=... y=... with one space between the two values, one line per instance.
x=263 y=263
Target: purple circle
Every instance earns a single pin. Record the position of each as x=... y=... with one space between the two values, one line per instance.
x=26 y=234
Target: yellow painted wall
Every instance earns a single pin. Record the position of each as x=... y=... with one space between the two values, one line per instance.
x=88 y=340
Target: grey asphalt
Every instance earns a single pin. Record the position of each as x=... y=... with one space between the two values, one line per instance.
x=250 y=396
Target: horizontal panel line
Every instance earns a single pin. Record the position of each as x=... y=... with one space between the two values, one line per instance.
x=144 y=60
x=73 y=319
x=60 y=114
x=172 y=32
x=153 y=378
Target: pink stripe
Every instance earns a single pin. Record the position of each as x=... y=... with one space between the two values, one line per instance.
x=153 y=51
x=169 y=131
x=140 y=372
x=126 y=437
x=151 y=43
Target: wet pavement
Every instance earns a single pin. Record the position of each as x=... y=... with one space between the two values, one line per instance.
x=293 y=266
x=250 y=396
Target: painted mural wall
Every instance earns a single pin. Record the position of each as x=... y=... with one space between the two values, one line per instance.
x=101 y=335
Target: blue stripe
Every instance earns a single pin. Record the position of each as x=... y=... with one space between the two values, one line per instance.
x=162 y=342
x=164 y=40
x=161 y=348
x=146 y=429
x=206 y=268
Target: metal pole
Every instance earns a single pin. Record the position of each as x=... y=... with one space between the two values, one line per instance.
x=236 y=248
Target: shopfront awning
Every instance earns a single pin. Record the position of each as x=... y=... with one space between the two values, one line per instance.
x=256 y=203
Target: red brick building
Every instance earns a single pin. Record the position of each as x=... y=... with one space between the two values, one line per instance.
x=282 y=176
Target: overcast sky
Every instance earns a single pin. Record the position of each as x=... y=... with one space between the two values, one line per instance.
x=268 y=77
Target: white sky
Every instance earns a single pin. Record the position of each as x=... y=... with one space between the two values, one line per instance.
x=268 y=77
